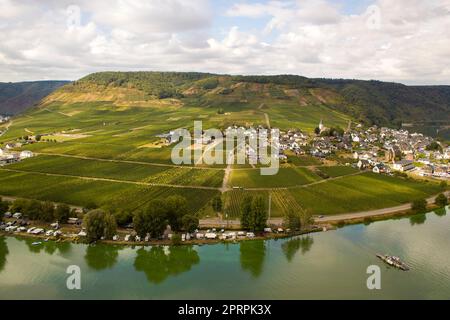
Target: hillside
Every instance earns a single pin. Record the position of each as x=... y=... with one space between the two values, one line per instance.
x=17 y=97
x=99 y=143
x=372 y=102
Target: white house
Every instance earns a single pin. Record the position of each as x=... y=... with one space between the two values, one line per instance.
x=403 y=165
x=26 y=154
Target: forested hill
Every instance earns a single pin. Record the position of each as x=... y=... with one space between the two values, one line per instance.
x=374 y=102
x=17 y=97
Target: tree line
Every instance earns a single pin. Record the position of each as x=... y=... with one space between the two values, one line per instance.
x=38 y=210
x=151 y=220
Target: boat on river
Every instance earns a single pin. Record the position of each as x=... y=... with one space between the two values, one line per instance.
x=393 y=262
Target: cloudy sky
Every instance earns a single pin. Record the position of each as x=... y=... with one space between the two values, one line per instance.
x=396 y=40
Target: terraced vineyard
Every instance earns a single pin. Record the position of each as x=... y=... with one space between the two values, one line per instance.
x=337 y=171
x=124 y=171
x=83 y=192
x=286 y=177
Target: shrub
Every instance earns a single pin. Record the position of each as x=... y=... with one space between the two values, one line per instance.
x=190 y=223
x=419 y=206
x=62 y=213
x=176 y=239
x=292 y=220
x=441 y=200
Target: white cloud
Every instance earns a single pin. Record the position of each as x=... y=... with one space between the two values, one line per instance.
x=400 y=40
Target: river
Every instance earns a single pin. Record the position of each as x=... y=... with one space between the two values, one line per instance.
x=330 y=265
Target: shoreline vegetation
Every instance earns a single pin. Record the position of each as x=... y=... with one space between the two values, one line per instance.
x=71 y=231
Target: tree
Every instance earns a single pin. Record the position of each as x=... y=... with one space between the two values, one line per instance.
x=176 y=239
x=434 y=146
x=99 y=224
x=337 y=131
x=152 y=220
x=19 y=205
x=217 y=203
x=419 y=206
x=176 y=208
x=123 y=217
x=47 y=213
x=259 y=213
x=62 y=213
x=190 y=223
x=441 y=200
x=292 y=220
x=33 y=210
x=246 y=212
x=4 y=206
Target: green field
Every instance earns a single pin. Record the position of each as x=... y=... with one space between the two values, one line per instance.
x=337 y=171
x=286 y=177
x=363 y=192
x=125 y=171
x=84 y=192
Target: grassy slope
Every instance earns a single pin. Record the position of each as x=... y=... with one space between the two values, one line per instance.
x=348 y=194
x=286 y=177
x=338 y=171
x=102 y=193
x=121 y=171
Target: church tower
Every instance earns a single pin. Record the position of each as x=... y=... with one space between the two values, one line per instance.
x=321 y=126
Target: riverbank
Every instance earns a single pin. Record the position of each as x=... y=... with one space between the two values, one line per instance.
x=329 y=265
x=74 y=238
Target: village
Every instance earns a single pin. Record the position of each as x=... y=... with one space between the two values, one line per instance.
x=380 y=150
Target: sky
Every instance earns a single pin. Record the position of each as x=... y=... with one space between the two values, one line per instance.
x=405 y=41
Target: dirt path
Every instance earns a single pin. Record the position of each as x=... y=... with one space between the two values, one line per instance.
x=267 y=120
x=266 y=116
x=227 y=174
x=6 y=128
x=207 y=149
x=372 y=213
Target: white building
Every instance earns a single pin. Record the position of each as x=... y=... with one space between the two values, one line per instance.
x=403 y=165
x=26 y=154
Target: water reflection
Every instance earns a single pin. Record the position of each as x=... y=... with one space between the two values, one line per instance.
x=252 y=256
x=49 y=247
x=291 y=247
x=158 y=263
x=100 y=257
x=3 y=253
x=418 y=219
x=440 y=212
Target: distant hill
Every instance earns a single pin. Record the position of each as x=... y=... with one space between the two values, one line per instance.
x=371 y=102
x=374 y=102
x=18 y=97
